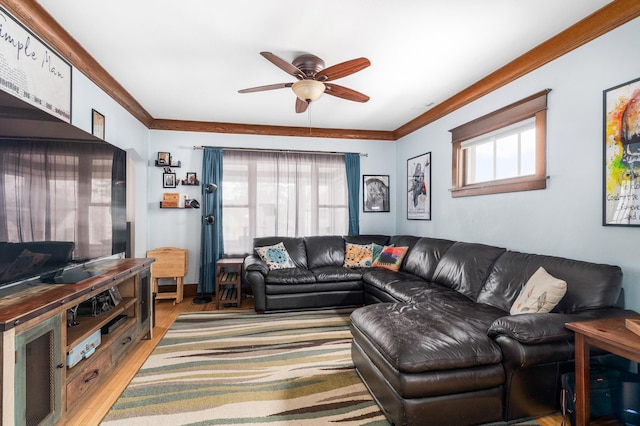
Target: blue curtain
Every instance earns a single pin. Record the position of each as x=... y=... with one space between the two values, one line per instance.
x=211 y=243
x=352 y=163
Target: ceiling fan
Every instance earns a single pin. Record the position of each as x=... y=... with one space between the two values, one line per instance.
x=314 y=79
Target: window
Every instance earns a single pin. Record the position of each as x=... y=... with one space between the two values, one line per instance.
x=283 y=194
x=503 y=151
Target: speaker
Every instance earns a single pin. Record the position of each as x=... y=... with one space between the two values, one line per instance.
x=630 y=410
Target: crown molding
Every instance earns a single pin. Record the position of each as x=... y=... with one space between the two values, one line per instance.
x=264 y=130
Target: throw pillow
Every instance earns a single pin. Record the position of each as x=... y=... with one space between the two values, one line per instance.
x=390 y=258
x=275 y=256
x=358 y=255
x=377 y=249
x=26 y=261
x=540 y=294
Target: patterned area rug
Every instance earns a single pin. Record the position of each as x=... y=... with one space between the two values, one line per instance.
x=241 y=368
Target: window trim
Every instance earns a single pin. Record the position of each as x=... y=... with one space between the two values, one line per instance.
x=534 y=106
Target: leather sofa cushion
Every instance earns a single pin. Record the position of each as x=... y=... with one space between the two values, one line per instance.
x=428 y=383
x=336 y=273
x=415 y=338
x=304 y=290
x=381 y=278
x=326 y=250
x=294 y=245
x=290 y=276
x=589 y=285
x=466 y=266
x=420 y=291
x=425 y=255
x=382 y=240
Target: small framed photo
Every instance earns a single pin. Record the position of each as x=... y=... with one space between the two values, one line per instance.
x=164 y=159
x=168 y=180
x=192 y=179
x=115 y=295
x=97 y=124
x=375 y=193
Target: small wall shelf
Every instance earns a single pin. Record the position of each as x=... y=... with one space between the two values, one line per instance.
x=177 y=164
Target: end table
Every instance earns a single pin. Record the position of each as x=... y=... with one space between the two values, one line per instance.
x=229 y=281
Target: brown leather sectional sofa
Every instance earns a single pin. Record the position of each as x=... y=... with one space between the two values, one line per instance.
x=435 y=343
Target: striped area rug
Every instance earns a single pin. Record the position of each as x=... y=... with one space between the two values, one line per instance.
x=241 y=368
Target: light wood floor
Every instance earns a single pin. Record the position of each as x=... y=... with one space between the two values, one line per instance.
x=98 y=404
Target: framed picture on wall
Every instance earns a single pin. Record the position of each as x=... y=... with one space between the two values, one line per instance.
x=375 y=193
x=168 y=180
x=97 y=124
x=419 y=187
x=621 y=178
x=164 y=159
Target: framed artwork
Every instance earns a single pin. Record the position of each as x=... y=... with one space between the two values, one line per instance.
x=97 y=124
x=192 y=179
x=621 y=177
x=419 y=187
x=168 y=180
x=164 y=159
x=375 y=193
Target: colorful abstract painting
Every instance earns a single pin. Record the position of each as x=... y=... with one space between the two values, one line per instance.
x=622 y=154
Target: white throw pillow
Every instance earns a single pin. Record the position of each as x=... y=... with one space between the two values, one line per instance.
x=275 y=256
x=540 y=295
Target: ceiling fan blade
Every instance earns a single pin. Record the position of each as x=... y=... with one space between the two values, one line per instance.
x=301 y=106
x=283 y=65
x=342 y=69
x=267 y=87
x=345 y=93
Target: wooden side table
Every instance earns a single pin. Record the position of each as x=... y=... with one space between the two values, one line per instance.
x=609 y=334
x=171 y=262
x=228 y=281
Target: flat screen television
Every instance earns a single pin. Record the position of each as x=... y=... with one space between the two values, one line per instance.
x=62 y=197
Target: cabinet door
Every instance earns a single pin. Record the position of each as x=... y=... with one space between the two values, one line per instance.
x=39 y=374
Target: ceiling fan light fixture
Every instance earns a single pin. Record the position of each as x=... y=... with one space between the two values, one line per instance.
x=308 y=90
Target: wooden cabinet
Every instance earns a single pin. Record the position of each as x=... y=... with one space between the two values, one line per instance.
x=45 y=326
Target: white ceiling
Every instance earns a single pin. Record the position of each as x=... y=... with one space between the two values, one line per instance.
x=186 y=60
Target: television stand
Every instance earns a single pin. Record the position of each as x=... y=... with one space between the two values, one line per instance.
x=47 y=330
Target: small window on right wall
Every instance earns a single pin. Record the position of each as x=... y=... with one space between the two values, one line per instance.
x=504 y=151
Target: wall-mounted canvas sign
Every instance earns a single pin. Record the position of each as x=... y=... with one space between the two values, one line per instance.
x=419 y=187
x=622 y=155
x=31 y=71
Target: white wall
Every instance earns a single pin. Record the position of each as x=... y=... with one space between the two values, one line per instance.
x=125 y=132
x=566 y=218
x=181 y=227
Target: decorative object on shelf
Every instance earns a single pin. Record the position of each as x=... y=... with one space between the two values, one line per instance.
x=622 y=155
x=419 y=187
x=174 y=200
x=97 y=124
x=170 y=200
x=169 y=180
x=192 y=179
x=375 y=193
x=164 y=159
x=115 y=295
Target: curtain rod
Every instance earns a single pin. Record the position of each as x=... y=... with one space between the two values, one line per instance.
x=286 y=151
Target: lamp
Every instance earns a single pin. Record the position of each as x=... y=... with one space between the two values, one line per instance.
x=308 y=90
